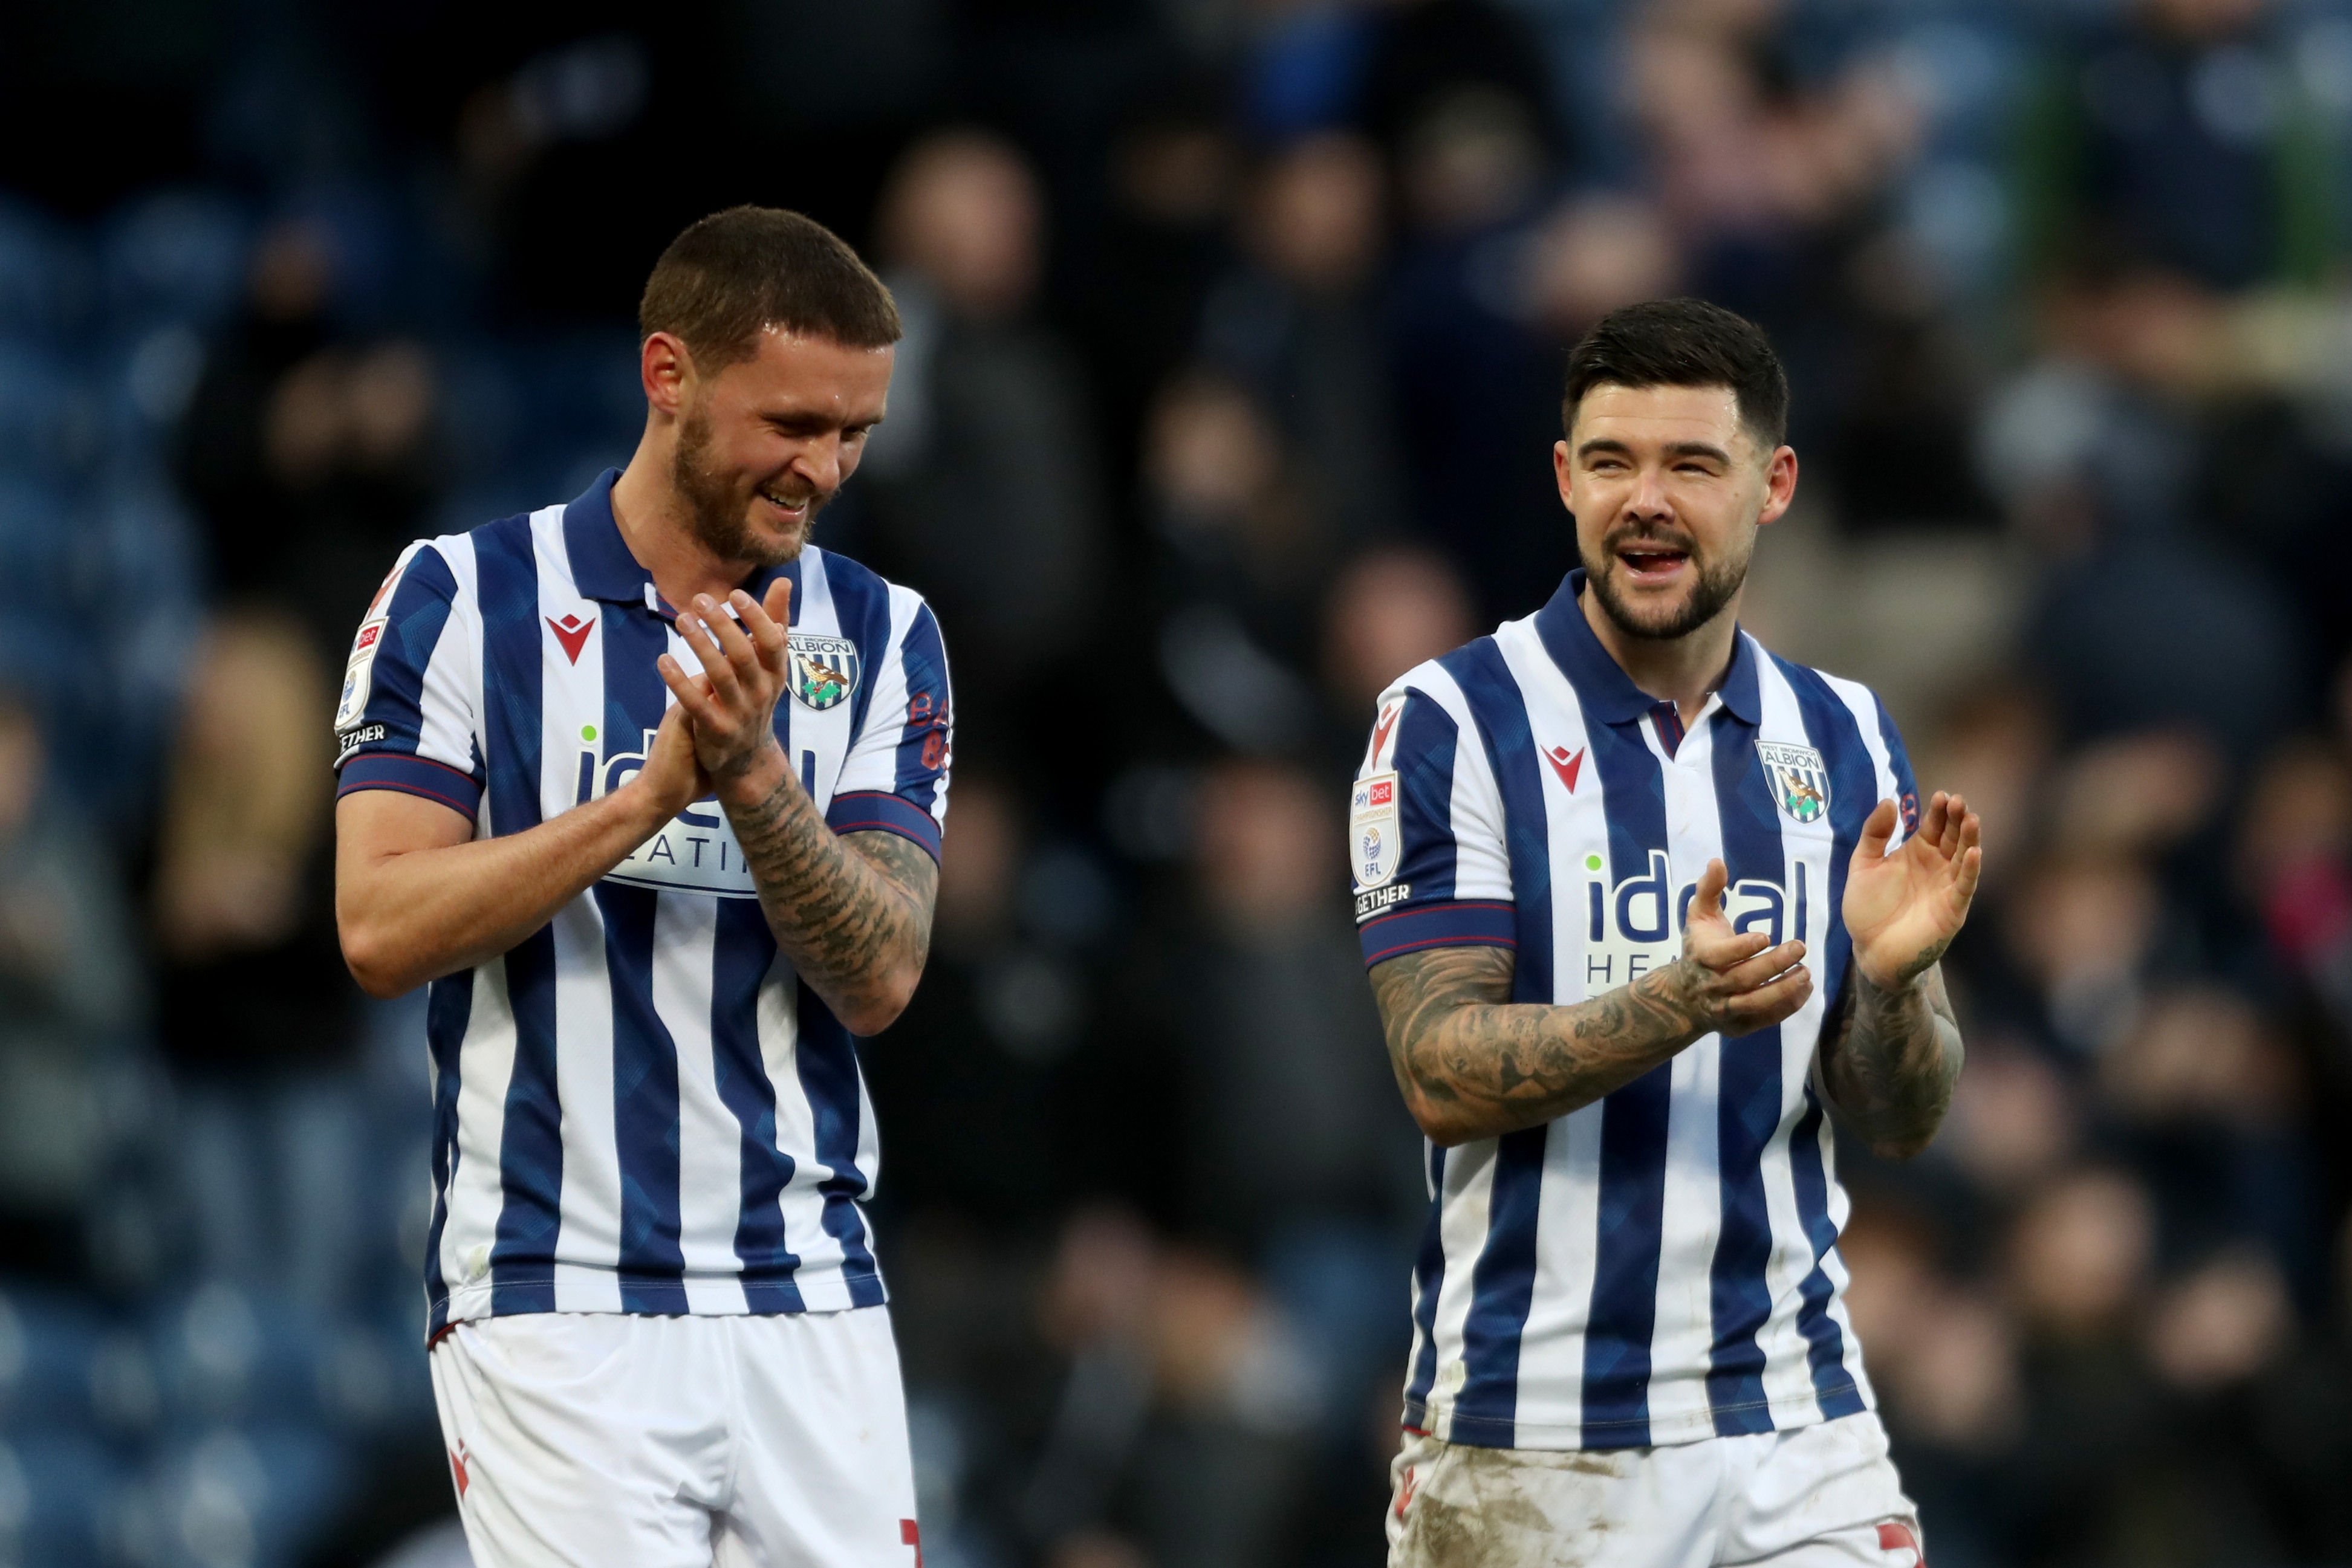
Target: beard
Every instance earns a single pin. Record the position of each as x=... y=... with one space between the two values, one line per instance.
x=716 y=504
x=1713 y=585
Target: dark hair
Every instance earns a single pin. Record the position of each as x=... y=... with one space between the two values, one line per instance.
x=1683 y=343
x=734 y=274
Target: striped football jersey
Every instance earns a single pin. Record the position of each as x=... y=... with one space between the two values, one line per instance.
x=1662 y=1265
x=640 y=1108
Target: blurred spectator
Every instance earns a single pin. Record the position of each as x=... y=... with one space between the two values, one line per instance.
x=1390 y=609
x=1477 y=383
x=257 y=1010
x=1243 y=552
x=2182 y=131
x=1162 y=247
x=70 y=993
x=1299 y=325
x=1176 y=1439
x=985 y=476
x=309 y=455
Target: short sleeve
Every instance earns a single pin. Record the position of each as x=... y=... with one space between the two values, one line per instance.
x=1898 y=764
x=405 y=719
x=896 y=778
x=1425 y=836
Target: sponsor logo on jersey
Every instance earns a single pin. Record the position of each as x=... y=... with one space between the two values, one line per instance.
x=823 y=669
x=351 y=740
x=694 y=852
x=573 y=632
x=1565 y=766
x=359 y=673
x=1800 y=781
x=1376 y=842
x=1635 y=924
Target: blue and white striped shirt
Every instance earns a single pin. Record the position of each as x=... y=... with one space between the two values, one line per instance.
x=640 y=1108
x=1660 y=1266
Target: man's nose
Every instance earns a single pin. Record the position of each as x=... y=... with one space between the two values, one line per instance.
x=819 y=461
x=1649 y=496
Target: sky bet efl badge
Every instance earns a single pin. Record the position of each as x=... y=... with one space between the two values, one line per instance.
x=1800 y=781
x=1372 y=835
x=825 y=669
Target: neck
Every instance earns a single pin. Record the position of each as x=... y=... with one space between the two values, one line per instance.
x=1684 y=671
x=655 y=525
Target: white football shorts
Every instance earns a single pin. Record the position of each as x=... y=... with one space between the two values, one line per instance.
x=1824 y=1496
x=611 y=1440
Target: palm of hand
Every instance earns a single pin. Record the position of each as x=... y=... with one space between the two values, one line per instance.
x=1904 y=909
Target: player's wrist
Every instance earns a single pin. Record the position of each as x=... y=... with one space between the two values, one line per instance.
x=752 y=776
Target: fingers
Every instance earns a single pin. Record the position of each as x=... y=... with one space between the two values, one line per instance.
x=1932 y=826
x=1707 y=902
x=1877 y=831
x=767 y=625
x=1720 y=951
x=693 y=693
x=1768 y=1005
x=698 y=633
x=1749 y=976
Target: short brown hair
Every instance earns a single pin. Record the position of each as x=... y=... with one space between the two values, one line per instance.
x=733 y=275
x=1683 y=343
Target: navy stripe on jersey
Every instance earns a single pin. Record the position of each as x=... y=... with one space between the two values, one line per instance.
x=1748 y=1107
x=1428 y=1280
x=1632 y=1139
x=1480 y=922
x=828 y=1064
x=923 y=736
x=1898 y=758
x=420 y=776
x=744 y=949
x=861 y=607
x=879 y=811
x=1854 y=795
x=644 y=1056
x=1503 y=1282
x=450 y=1005
x=530 y=1155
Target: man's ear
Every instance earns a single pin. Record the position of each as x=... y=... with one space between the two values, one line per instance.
x=1780 y=485
x=666 y=369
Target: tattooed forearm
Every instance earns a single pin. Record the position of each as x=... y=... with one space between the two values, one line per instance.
x=853 y=913
x=1890 y=1062
x=1474 y=1064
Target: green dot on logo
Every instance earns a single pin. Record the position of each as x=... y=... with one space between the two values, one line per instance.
x=1592 y=863
x=587 y=732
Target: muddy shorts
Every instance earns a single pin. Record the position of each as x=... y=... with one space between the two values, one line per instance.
x=1824 y=1496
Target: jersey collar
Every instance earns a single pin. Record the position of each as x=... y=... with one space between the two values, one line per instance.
x=603 y=567
x=1602 y=684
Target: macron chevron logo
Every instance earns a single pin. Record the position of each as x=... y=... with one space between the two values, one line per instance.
x=573 y=632
x=1566 y=766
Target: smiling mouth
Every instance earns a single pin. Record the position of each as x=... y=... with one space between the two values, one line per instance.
x=1646 y=561
x=793 y=509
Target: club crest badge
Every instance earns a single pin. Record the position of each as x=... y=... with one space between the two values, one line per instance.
x=825 y=669
x=1799 y=779
x=1375 y=843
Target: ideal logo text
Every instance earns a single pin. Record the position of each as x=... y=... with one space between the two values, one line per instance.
x=695 y=852
x=1636 y=925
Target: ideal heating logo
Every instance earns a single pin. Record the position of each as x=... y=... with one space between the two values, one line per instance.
x=695 y=852
x=1636 y=925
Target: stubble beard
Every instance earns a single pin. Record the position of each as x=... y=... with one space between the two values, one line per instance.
x=715 y=508
x=1713 y=586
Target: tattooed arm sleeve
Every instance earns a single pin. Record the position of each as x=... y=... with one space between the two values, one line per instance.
x=1474 y=1064
x=1891 y=1061
x=852 y=912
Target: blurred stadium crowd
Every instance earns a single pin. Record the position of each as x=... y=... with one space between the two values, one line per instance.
x=1233 y=334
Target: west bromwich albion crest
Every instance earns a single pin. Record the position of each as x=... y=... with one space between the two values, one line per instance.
x=825 y=669
x=1799 y=778
x=1374 y=840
